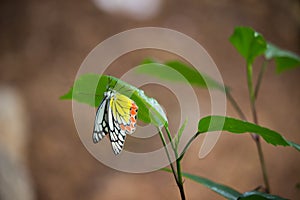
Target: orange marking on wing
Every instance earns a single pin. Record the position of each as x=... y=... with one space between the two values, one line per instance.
x=133 y=112
x=132 y=119
x=122 y=127
x=128 y=128
x=134 y=106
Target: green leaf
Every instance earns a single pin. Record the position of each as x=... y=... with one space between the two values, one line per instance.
x=214 y=123
x=248 y=43
x=177 y=139
x=256 y=195
x=68 y=95
x=177 y=71
x=228 y=192
x=222 y=190
x=90 y=88
x=284 y=60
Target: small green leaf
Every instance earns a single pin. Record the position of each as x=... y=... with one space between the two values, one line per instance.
x=68 y=95
x=89 y=89
x=222 y=190
x=177 y=139
x=248 y=43
x=177 y=71
x=214 y=123
x=284 y=60
x=256 y=195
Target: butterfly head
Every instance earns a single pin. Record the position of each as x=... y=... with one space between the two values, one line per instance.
x=109 y=93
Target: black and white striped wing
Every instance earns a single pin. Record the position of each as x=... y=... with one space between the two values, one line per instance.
x=101 y=121
x=116 y=134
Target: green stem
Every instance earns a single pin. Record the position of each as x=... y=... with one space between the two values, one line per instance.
x=179 y=175
x=238 y=110
x=252 y=97
x=178 y=165
x=259 y=79
x=168 y=155
x=263 y=166
x=188 y=145
x=170 y=139
x=250 y=83
x=235 y=105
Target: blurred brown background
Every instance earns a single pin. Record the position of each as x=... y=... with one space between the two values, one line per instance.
x=42 y=46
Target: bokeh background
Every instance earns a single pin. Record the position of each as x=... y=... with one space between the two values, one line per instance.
x=43 y=43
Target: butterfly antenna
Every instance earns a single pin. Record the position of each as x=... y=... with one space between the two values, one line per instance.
x=109 y=80
x=109 y=83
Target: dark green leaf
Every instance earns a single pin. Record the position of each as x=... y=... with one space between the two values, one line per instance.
x=255 y=195
x=215 y=123
x=284 y=60
x=89 y=89
x=227 y=192
x=177 y=71
x=248 y=43
x=223 y=190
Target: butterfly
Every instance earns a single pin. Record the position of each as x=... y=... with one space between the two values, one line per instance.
x=115 y=116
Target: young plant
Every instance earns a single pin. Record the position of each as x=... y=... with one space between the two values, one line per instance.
x=250 y=45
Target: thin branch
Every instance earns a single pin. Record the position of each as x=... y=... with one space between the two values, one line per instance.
x=235 y=105
x=263 y=166
x=252 y=97
x=178 y=165
x=259 y=79
x=188 y=145
x=170 y=139
x=168 y=155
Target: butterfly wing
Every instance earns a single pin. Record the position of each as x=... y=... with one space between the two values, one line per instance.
x=125 y=112
x=116 y=135
x=101 y=120
x=122 y=120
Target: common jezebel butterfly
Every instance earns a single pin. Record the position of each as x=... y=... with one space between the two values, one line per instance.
x=115 y=116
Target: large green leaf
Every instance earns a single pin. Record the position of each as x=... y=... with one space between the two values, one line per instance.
x=222 y=190
x=214 y=123
x=248 y=43
x=256 y=195
x=89 y=89
x=228 y=192
x=284 y=60
x=178 y=71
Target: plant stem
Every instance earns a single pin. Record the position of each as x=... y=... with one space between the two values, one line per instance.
x=238 y=110
x=179 y=175
x=235 y=105
x=263 y=166
x=188 y=145
x=170 y=139
x=250 y=83
x=168 y=155
x=178 y=165
x=252 y=96
x=259 y=79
